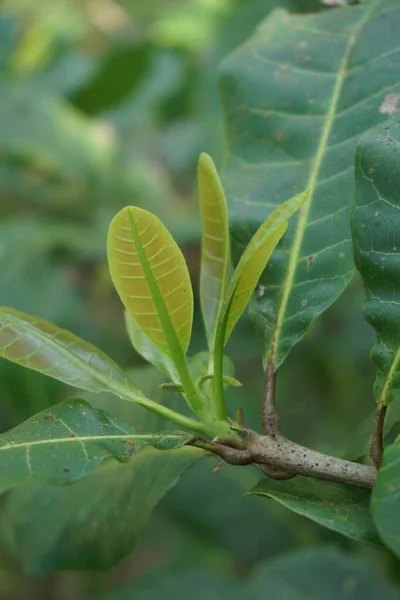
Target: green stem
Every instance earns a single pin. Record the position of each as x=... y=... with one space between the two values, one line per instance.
x=165 y=412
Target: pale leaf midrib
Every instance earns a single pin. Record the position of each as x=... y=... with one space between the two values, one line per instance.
x=392 y=372
x=312 y=181
x=89 y=439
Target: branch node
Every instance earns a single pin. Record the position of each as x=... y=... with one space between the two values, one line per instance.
x=275 y=472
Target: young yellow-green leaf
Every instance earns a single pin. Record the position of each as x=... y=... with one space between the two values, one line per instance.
x=253 y=262
x=215 y=245
x=36 y=344
x=145 y=347
x=151 y=278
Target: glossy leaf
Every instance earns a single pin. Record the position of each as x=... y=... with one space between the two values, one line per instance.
x=66 y=443
x=336 y=506
x=376 y=235
x=297 y=96
x=215 y=245
x=385 y=502
x=36 y=344
x=97 y=519
x=253 y=261
x=146 y=348
x=151 y=277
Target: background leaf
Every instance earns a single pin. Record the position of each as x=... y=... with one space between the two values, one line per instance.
x=323 y=573
x=66 y=443
x=215 y=245
x=91 y=524
x=42 y=346
x=151 y=277
x=297 y=96
x=339 y=507
x=385 y=503
x=376 y=235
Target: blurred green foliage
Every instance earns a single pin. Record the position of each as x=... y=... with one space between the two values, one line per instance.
x=105 y=103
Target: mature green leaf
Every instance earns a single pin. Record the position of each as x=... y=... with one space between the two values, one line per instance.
x=339 y=507
x=65 y=444
x=297 y=96
x=146 y=348
x=215 y=245
x=91 y=524
x=151 y=277
x=321 y=573
x=39 y=345
x=196 y=584
x=247 y=529
x=385 y=504
x=376 y=235
x=253 y=261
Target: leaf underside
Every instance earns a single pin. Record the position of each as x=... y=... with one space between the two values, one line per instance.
x=145 y=347
x=151 y=277
x=66 y=443
x=254 y=259
x=90 y=517
x=376 y=235
x=36 y=344
x=215 y=245
x=336 y=506
x=297 y=96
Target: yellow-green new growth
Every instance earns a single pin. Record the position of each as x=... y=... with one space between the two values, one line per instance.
x=244 y=280
x=215 y=245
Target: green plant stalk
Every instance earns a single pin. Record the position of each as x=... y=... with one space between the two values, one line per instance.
x=177 y=418
x=219 y=397
x=209 y=429
x=194 y=400
x=218 y=364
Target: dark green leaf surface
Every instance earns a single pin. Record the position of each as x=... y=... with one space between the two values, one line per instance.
x=91 y=524
x=42 y=346
x=297 y=96
x=385 y=503
x=65 y=444
x=376 y=234
x=339 y=507
x=320 y=574
x=196 y=585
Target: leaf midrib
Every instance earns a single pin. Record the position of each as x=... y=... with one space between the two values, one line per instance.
x=313 y=179
x=89 y=438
